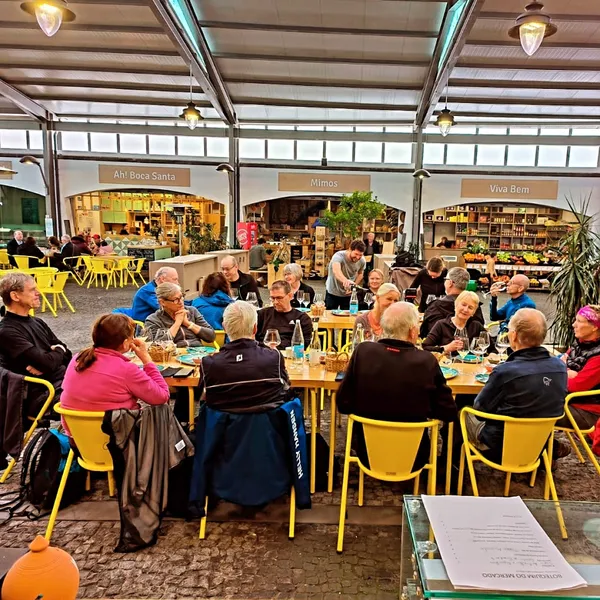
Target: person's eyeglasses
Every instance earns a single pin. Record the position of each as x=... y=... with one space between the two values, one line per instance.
x=277 y=298
x=227 y=269
x=177 y=300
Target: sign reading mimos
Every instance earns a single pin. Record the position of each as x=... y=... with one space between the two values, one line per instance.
x=317 y=182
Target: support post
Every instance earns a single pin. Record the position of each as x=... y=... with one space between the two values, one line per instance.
x=417 y=189
x=234 y=186
x=49 y=175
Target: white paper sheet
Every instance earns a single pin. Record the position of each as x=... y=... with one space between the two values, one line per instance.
x=496 y=544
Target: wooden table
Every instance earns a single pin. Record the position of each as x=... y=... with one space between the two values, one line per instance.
x=330 y=322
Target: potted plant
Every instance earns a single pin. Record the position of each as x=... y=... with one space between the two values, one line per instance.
x=576 y=283
x=203 y=239
x=347 y=220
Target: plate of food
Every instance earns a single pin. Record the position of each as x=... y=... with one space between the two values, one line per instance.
x=494 y=358
x=482 y=377
x=449 y=373
x=340 y=313
x=192 y=360
x=200 y=350
x=471 y=358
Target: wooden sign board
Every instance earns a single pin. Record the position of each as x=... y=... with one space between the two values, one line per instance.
x=510 y=189
x=125 y=174
x=323 y=183
x=8 y=165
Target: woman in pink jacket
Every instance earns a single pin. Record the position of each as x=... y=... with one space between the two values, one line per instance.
x=100 y=378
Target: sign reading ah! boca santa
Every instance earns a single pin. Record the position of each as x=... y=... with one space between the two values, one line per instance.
x=127 y=174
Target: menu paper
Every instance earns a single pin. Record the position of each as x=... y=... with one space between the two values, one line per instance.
x=496 y=544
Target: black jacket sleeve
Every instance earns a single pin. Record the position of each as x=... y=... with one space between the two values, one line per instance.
x=434 y=340
x=442 y=404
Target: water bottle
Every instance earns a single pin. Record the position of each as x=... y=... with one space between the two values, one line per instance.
x=297 y=346
x=354 y=303
x=359 y=336
x=314 y=350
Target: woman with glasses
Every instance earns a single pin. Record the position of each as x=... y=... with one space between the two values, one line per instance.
x=185 y=324
x=293 y=273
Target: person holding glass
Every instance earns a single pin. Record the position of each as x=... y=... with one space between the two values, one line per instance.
x=186 y=325
x=454 y=334
x=304 y=295
x=387 y=294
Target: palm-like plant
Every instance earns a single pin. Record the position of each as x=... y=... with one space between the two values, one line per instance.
x=576 y=284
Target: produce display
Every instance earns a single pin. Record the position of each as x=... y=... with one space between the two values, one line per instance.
x=513 y=258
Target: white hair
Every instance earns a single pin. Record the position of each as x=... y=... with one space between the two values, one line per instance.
x=398 y=320
x=293 y=269
x=166 y=290
x=234 y=260
x=163 y=272
x=239 y=320
x=386 y=288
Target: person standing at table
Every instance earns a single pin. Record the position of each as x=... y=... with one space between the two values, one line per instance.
x=345 y=269
x=283 y=317
x=241 y=282
x=431 y=281
x=372 y=248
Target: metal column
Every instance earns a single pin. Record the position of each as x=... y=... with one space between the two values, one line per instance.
x=417 y=189
x=234 y=210
x=50 y=176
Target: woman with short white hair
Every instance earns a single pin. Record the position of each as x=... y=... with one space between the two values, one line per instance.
x=293 y=273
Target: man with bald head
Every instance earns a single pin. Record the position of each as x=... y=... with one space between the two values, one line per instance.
x=242 y=282
x=15 y=243
x=531 y=383
x=392 y=380
x=515 y=288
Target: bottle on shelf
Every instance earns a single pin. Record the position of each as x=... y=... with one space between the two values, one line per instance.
x=354 y=302
x=297 y=346
x=314 y=350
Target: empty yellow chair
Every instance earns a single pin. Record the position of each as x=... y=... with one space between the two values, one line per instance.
x=392 y=449
x=99 y=268
x=526 y=443
x=4 y=260
x=26 y=262
x=219 y=340
x=580 y=433
x=35 y=421
x=92 y=444
x=56 y=289
x=75 y=264
x=121 y=268
x=135 y=268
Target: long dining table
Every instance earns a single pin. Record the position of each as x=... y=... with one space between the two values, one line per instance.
x=313 y=378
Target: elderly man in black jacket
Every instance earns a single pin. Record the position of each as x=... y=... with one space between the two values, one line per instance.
x=456 y=282
x=392 y=380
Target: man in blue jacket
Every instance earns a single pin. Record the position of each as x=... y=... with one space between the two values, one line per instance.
x=516 y=289
x=530 y=384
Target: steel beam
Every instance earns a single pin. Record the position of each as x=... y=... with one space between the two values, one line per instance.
x=103 y=85
x=168 y=72
x=546 y=44
x=511 y=100
x=361 y=85
x=86 y=50
x=321 y=59
x=322 y=104
x=533 y=65
x=523 y=85
x=24 y=102
x=502 y=16
x=87 y=27
x=117 y=100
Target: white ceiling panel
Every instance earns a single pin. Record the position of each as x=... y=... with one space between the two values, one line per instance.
x=81 y=93
x=63 y=107
x=529 y=75
x=516 y=54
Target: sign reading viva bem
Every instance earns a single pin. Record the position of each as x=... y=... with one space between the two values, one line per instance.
x=316 y=182
x=150 y=175
x=515 y=189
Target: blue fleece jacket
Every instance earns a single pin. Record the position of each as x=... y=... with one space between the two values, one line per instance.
x=144 y=303
x=213 y=307
x=509 y=309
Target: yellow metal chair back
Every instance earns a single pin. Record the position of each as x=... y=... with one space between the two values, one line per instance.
x=4 y=260
x=220 y=339
x=493 y=327
x=524 y=441
x=23 y=262
x=43 y=279
x=135 y=268
x=60 y=280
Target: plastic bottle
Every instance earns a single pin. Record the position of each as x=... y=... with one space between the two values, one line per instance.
x=354 y=303
x=297 y=346
x=314 y=350
x=359 y=336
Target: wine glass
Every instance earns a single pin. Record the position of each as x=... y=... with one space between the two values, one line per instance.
x=502 y=344
x=306 y=300
x=369 y=299
x=142 y=333
x=235 y=293
x=461 y=336
x=300 y=297
x=252 y=299
x=477 y=349
x=484 y=340
x=272 y=339
x=430 y=298
x=318 y=298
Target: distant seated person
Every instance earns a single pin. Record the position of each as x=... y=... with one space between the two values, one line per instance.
x=185 y=324
x=258 y=255
x=442 y=336
x=443 y=243
x=387 y=294
x=80 y=246
x=30 y=248
x=123 y=230
x=241 y=283
x=53 y=257
x=244 y=376
x=214 y=299
x=430 y=281
x=101 y=378
x=101 y=247
x=392 y=380
x=583 y=368
x=530 y=384
x=515 y=288
x=282 y=317
x=145 y=301
x=27 y=345
x=374 y=281
x=456 y=281
x=293 y=274
x=13 y=246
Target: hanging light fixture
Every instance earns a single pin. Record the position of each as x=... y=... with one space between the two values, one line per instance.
x=532 y=27
x=191 y=115
x=50 y=14
x=445 y=120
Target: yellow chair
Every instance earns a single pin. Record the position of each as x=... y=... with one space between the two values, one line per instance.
x=99 y=268
x=35 y=421
x=4 y=260
x=524 y=442
x=219 y=340
x=91 y=442
x=26 y=262
x=575 y=429
x=493 y=327
x=392 y=449
x=121 y=268
x=75 y=263
x=135 y=268
x=44 y=281
x=56 y=289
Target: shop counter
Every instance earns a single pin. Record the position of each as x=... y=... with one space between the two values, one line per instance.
x=191 y=269
x=242 y=257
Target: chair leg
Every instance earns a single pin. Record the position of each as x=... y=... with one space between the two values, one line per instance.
x=191 y=408
x=313 y=440
x=67 y=302
x=416 y=485
x=588 y=451
x=9 y=468
x=361 y=487
x=461 y=471
x=449 y=445
x=292 y=529
x=471 y=472
x=202 y=534
x=507 y=484
x=344 y=502
x=59 y=495
x=331 y=441
x=550 y=480
x=575 y=447
x=88 y=482
x=533 y=478
x=111 y=485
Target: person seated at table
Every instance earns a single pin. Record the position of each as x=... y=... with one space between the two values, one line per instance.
x=242 y=283
x=442 y=336
x=515 y=288
x=583 y=367
x=17 y=240
x=101 y=378
x=385 y=296
x=293 y=273
x=30 y=248
x=530 y=384
x=80 y=246
x=456 y=281
x=257 y=257
x=27 y=345
x=214 y=299
x=283 y=317
x=144 y=301
x=374 y=281
x=431 y=281
x=244 y=376
x=101 y=247
x=443 y=243
x=392 y=380
x=185 y=324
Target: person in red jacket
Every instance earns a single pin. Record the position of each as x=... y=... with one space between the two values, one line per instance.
x=583 y=367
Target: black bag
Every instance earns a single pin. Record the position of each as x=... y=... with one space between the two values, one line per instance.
x=180 y=482
x=322 y=463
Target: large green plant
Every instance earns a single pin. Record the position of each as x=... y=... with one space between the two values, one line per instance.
x=353 y=209
x=203 y=239
x=576 y=283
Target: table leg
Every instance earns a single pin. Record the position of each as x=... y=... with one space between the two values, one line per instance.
x=449 y=443
x=313 y=440
x=191 y=405
x=331 y=442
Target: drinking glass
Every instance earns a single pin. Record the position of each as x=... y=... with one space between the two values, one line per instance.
x=502 y=344
x=430 y=298
x=272 y=339
x=461 y=336
x=484 y=340
x=300 y=297
x=306 y=300
x=476 y=349
x=252 y=299
x=235 y=293
x=318 y=298
x=369 y=299
x=142 y=334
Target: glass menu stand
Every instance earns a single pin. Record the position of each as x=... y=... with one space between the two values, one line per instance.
x=422 y=572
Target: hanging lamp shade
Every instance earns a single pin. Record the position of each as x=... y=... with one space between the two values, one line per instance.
x=532 y=27
x=191 y=115
x=50 y=14
x=445 y=121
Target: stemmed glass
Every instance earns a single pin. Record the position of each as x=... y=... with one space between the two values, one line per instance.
x=142 y=333
x=369 y=299
x=318 y=298
x=300 y=297
x=252 y=299
x=235 y=293
x=306 y=300
x=484 y=340
x=461 y=336
x=477 y=349
x=272 y=339
x=430 y=298
x=502 y=344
